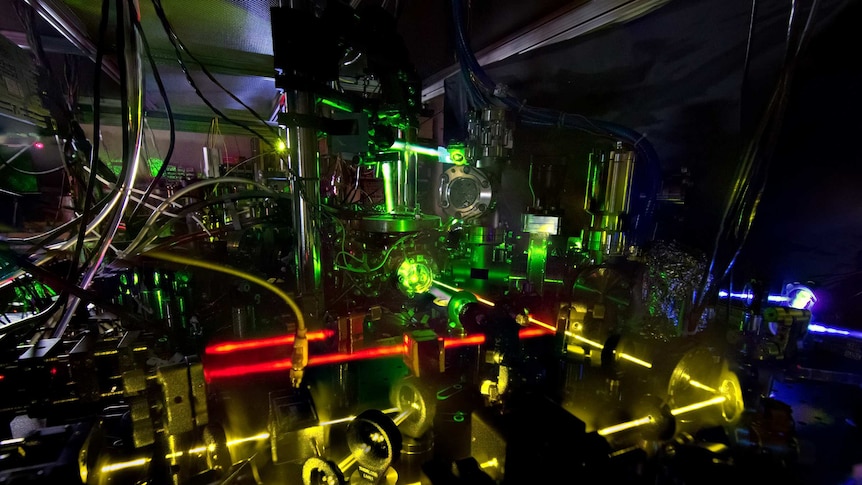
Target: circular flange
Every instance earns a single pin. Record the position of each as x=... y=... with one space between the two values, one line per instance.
x=317 y=471
x=701 y=375
x=415 y=275
x=410 y=394
x=373 y=439
x=465 y=192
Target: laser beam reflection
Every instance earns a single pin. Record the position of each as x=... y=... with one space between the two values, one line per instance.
x=203 y=449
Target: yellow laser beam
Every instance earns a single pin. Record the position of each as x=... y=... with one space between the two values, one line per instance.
x=626 y=425
x=448 y=287
x=699 y=385
x=337 y=421
x=351 y=418
x=125 y=464
x=697 y=405
x=192 y=451
x=542 y=324
x=591 y=343
x=649 y=419
x=257 y=437
x=203 y=449
x=484 y=301
x=635 y=360
x=481 y=300
x=552 y=328
x=623 y=355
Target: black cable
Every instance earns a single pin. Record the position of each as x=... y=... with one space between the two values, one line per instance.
x=194 y=85
x=746 y=65
x=94 y=156
x=756 y=160
x=124 y=28
x=191 y=208
x=545 y=116
x=170 y=31
x=124 y=108
x=775 y=133
x=171 y=122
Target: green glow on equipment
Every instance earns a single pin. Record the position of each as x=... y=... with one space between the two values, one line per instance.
x=155 y=165
x=335 y=104
x=537 y=258
x=429 y=152
x=280 y=146
x=802 y=298
x=457 y=303
x=388 y=189
x=457 y=155
x=415 y=276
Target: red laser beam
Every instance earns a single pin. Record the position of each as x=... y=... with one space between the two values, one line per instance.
x=314 y=360
x=247 y=369
x=363 y=354
x=479 y=339
x=281 y=340
x=454 y=343
x=533 y=332
x=542 y=324
x=371 y=353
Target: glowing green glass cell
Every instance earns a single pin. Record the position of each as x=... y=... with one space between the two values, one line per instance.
x=415 y=276
x=457 y=155
x=537 y=257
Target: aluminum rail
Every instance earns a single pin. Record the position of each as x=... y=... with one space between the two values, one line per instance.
x=567 y=23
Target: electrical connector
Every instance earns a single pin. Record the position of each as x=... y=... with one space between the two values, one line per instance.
x=300 y=357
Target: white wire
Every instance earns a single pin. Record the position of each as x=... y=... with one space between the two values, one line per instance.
x=140 y=240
